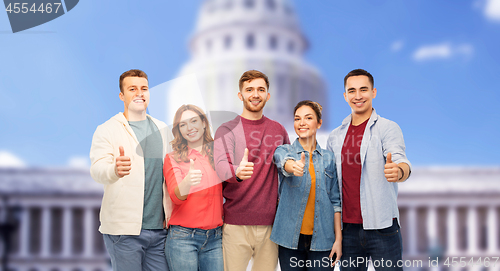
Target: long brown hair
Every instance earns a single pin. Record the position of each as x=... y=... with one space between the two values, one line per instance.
x=180 y=145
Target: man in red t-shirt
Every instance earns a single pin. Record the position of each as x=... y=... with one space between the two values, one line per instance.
x=370 y=157
x=243 y=158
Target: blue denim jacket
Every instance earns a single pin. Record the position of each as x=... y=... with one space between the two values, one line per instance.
x=294 y=192
x=378 y=196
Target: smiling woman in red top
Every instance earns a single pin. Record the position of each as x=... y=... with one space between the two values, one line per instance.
x=194 y=239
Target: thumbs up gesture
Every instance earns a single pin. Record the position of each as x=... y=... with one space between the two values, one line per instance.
x=193 y=178
x=298 y=166
x=122 y=164
x=194 y=174
x=245 y=169
x=392 y=172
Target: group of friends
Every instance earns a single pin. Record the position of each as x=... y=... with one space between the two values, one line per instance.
x=182 y=200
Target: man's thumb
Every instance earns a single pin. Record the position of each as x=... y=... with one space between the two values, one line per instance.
x=389 y=158
x=122 y=151
x=245 y=156
x=303 y=158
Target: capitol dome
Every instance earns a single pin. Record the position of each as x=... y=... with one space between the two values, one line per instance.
x=233 y=36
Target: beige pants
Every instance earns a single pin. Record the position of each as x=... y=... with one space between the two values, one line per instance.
x=241 y=243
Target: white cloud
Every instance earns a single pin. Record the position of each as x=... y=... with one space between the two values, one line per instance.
x=444 y=50
x=9 y=160
x=397 y=45
x=79 y=162
x=492 y=10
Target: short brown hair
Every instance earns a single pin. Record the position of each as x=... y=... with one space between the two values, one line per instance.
x=131 y=73
x=253 y=74
x=358 y=72
x=313 y=105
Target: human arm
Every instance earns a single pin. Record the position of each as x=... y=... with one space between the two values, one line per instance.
x=226 y=153
x=331 y=175
x=396 y=172
x=193 y=178
x=397 y=167
x=102 y=157
x=178 y=185
x=296 y=167
x=283 y=156
x=337 y=245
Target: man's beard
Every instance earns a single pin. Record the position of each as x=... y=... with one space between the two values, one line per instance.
x=248 y=106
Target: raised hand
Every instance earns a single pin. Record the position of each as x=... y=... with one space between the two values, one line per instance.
x=122 y=164
x=298 y=166
x=245 y=169
x=392 y=172
x=193 y=178
x=194 y=174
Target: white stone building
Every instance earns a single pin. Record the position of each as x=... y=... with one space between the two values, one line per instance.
x=445 y=211
x=59 y=211
x=233 y=36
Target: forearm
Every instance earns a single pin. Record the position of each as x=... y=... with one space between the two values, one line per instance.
x=102 y=158
x=178 y=194
x=406 y=171
x=289 y=166
x=337 y=227
x=182 y=190
x=103 y=174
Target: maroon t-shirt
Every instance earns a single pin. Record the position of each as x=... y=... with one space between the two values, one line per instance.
x=351 y=174
x=252 y=201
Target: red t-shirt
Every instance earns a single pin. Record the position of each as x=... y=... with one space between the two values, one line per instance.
x=351 y=174
x=203 y=207
x=252 y=201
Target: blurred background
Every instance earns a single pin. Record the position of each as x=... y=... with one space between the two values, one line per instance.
x=435 y=63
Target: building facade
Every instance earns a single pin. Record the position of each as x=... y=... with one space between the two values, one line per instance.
x=233 y=36
x=445 y=213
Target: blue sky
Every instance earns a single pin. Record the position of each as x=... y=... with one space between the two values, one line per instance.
x=436 y=65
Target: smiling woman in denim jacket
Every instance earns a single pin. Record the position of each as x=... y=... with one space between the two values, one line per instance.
x=194 y=240
x=307 y=224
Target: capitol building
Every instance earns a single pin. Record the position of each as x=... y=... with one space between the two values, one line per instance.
x=231 y=37
x=49 y=217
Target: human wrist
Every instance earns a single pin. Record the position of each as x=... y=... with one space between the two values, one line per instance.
x=400 y=169
x=289 y=165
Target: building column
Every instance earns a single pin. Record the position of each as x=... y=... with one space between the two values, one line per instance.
x=432 y=229
x=492 y=231
x=88 y=232
x=24 y=236
x=412 y=230
x=45 y=231
x=452 y=246
x=472 y=230
x=67 y=229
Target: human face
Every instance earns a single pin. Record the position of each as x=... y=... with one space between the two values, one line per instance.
x=359 y=94
x=135 y=94
x=192 y=128
x=306 y=122
x=254 y=95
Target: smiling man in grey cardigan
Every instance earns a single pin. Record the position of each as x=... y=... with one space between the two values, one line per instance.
x=127 y=158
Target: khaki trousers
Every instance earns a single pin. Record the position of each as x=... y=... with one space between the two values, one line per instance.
x=240 y=243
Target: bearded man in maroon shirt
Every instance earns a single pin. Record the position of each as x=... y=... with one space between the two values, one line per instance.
x=243 y=158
